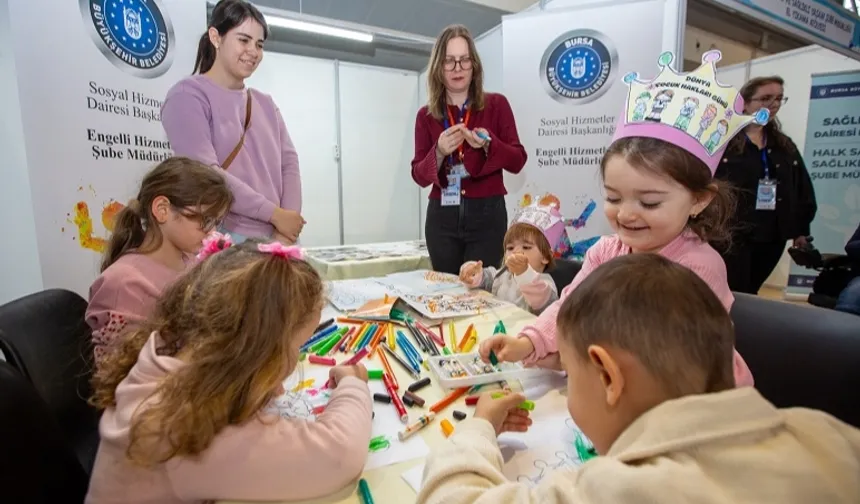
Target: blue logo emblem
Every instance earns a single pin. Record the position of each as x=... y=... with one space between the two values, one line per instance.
x=577 y=66
x=135 y=35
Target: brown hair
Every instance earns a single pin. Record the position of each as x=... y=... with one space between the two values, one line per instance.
x=772 y=129
x=436 y=96
x=684 y=337
x=232 y=317
x=528 y=232
x=226 y=15
x=665 y=159
x=186 y=183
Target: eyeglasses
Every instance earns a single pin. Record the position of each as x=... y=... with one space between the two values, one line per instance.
x=451 y=63
x=768 y=99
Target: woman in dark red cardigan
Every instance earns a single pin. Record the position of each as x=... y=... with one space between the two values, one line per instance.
x=464 y=138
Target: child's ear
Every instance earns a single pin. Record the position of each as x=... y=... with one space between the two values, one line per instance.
x=704 y=199
x=610 y=373
x=160 y=209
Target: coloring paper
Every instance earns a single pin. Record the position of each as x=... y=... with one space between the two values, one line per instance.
x=423 y=282
x=348 y=295
x=368 y=252
x=448 y=305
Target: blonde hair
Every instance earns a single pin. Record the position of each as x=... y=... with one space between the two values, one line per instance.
x=185 y=183
x=232 y=317
x=527 y=232
x=436 y=97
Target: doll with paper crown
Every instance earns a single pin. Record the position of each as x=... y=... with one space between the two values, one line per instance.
x=661 y=197
x=529 y=243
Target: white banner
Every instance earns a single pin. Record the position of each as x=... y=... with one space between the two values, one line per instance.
x=562 y=75
x=91 y=77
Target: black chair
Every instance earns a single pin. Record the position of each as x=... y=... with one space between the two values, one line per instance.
x=36 y=463
x=44 y=336
x=563 y=272
x=801 y=355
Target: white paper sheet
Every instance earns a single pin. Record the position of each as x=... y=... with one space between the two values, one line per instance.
x=304 y=392
x=347 y=295
x=453 y=304
x=422 y=282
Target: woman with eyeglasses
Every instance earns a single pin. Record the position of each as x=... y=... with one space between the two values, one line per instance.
x=465 y=138
x=215 y=118
x=775 y=197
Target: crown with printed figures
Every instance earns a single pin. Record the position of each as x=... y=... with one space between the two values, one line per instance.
x=691 y=110
x=546 y=218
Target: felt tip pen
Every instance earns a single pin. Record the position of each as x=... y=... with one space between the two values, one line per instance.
x=318 y=337
x=395 y=399
x=405 y=365
x=387 y=367
x=449 y=399
x=355 y=358
x=407 y=356
x=391 y=336
x=324 y=325
x=525 y=405
x=364 y=492
x=324 y=361
x=416 y=426
x=417 y=337
x=482 y=135
x=407 y=346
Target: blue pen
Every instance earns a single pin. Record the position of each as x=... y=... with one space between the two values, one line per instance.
x=407 y=352
x=408 y=347
x=318 y=336
x=368 y=337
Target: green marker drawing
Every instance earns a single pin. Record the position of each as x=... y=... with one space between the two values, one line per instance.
x=583 y=450
x=379 y=443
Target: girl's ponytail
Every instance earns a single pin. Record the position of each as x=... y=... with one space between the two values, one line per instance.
x=205 y=55
x=128 y=233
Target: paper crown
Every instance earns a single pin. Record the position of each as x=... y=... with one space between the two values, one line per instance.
x=691 y=110
x=546 y=218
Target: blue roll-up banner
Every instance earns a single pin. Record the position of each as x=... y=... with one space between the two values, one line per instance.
x=832 y=156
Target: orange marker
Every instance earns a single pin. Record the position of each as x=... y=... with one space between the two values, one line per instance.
x=387 y=366
x=466 y=337
x=449 y=399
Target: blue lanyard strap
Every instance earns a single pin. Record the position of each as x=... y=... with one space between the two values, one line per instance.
x=447 y=123
x=764 y=162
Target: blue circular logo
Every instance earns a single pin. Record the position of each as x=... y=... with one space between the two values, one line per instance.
x=135 y=35
x=577 y=66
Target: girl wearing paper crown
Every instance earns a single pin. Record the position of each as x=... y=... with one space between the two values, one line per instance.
x=529 y=243
x=661 y=196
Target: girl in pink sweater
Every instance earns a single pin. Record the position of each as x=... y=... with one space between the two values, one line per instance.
x=185 y=397
x=661 y=198
x=179 y=201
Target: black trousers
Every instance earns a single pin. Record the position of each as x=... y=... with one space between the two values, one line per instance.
x=473 y=231
x=748 y=264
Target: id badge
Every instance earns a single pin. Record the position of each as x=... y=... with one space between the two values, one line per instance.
x=460 y=170
x=766 y=195
x=451 y=194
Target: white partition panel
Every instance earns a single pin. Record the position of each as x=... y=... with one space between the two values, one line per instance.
x=304 y=90
x=425 y=192
x=489 y=46
x=377 y=112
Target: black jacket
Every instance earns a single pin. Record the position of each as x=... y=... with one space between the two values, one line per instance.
x=795 y=196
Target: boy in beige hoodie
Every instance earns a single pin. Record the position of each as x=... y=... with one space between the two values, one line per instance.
x=650 y=383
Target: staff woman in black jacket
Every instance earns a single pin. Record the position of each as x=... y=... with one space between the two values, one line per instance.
x=776 y=201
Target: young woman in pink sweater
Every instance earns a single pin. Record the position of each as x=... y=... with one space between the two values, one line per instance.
x=661 y=197
x=179 y=201
x=185 y=398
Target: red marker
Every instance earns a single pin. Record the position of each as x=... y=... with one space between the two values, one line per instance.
x=325 y=361
x=395 y=399
x=472 y=400
x=355 y=358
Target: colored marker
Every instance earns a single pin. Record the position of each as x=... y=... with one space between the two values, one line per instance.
x=317 y=337
x=333 y=342
x=382 y=398
x=447 y=428
x=526 y=405
x=420 y=384
x=387 y=367
x=452 y=335
x=395 y=399
x=482 y=136
x=342 y=341
x=416 y=373
x=324 y=361
x=472 y=400
x=449 y=399
x=364 y=492
x=414 y=398
x=355 y=358
x=391 y=336
x=323 y=325
x=419 y=424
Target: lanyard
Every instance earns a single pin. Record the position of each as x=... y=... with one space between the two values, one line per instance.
x=463 y=115
x=763 y=153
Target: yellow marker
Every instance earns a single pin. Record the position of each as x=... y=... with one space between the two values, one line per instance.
x=470 y=343
x=360 y=336
x=526 y=405
x=303 y=385
x=447 y=428
x=391 y=336
x=452 y=335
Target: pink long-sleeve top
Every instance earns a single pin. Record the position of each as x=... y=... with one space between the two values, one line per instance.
x=268 y=458
x=123 y=296
x=204 y=121
x=687 y=249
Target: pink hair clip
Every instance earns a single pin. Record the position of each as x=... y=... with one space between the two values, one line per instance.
x=214 y=243
x=277 y=248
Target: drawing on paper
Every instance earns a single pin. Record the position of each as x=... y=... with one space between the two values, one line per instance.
x=544 y=467
x=379 y=444
x=439 y=277
x=453 y=304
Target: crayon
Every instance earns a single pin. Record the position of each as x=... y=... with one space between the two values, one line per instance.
x=395 y=399
x=355 y=358
x=526 y=405
x=447 y=400
x=420 y=384
x=458 y=415
x=419 y=424
x=447 y=428
x=382 y=398
x=374 y=374
x=414 y=398
x=325 y=361
x=364 y=492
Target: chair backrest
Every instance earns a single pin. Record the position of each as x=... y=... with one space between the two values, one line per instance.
x=47 y=339
x=36 y=463
x=563 y=272
x=801 y=355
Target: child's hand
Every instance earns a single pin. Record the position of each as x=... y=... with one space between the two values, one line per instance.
x=338 y=373
x=517 y=264
x=503 y=413
x=470 y=272
x=507 y=348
